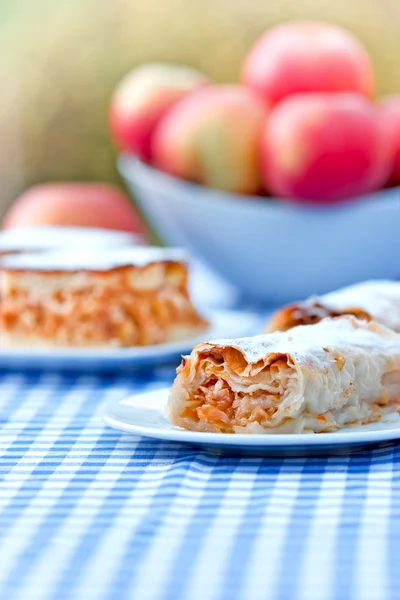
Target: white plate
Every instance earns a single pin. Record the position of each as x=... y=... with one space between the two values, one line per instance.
x=223 y=324
x=143 y=415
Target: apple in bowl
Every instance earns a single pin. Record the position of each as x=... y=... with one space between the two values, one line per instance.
x=307 y=57
x=212 y=136
x=141 y=100
x=322 y=148
x=390 y=111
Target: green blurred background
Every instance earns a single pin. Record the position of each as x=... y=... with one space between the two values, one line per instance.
x=60 y=60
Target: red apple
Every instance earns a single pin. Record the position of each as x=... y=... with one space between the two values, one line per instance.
x=143 y=97
x=212 y=137
x=325 y=147
x=74 y=204
x=307 y=57
x=391 y=120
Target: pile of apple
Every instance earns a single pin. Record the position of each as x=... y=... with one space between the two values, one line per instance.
x=303 y=123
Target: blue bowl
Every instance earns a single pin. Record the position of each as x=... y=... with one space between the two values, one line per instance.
x=273 y=251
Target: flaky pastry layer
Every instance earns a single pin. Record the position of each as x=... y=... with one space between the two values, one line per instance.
x=314 y=378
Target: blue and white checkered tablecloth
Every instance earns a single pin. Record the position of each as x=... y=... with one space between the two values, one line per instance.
x=90 y=513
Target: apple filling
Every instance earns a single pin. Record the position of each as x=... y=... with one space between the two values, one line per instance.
x=216 y=405
x=125 y=307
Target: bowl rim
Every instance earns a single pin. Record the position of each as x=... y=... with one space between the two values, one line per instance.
x=127 y=163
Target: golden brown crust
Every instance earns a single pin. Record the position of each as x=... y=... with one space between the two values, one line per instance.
x=308 y=313
x=168 y=264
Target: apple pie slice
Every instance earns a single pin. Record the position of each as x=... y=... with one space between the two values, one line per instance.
x=117 y=297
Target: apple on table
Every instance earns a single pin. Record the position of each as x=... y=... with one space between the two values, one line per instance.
x=75 y=204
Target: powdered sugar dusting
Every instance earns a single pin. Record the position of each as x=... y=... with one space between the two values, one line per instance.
x=101 y=259
x=26 y=239
x=381 y=299
x=306 y=341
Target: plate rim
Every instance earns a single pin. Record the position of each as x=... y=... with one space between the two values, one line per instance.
x=277 y=440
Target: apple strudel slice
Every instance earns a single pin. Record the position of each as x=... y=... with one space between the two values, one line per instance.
x=378 y=300
x=316 y=378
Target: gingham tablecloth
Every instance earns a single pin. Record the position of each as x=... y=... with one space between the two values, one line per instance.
x=89 y=513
